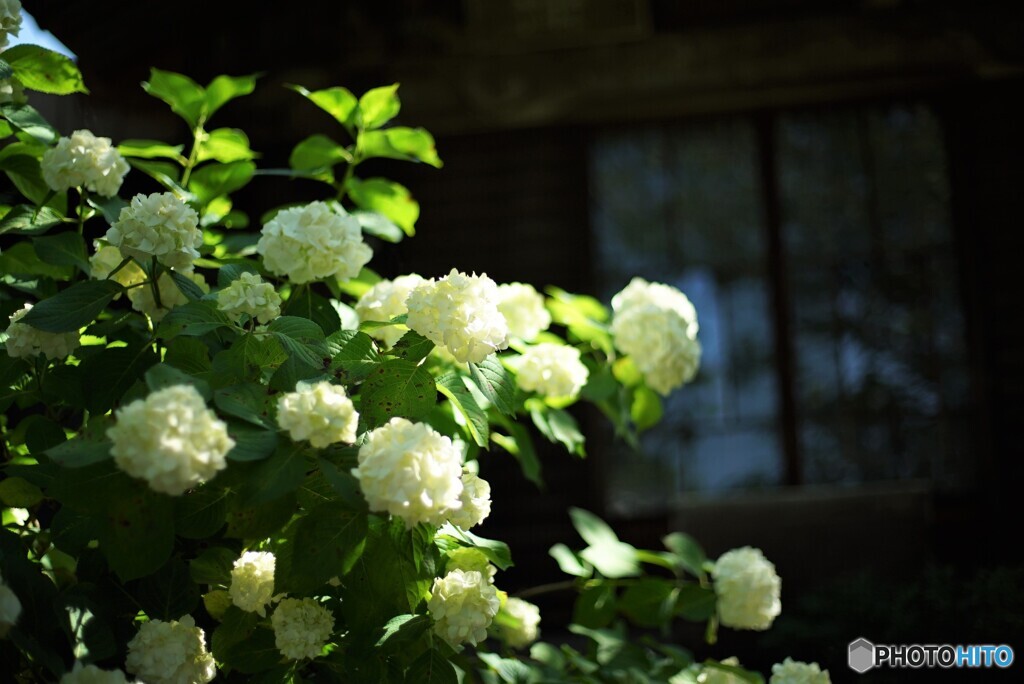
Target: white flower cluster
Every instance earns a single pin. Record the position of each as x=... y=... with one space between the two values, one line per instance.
x=12 y=92
x=249 y=295
x=714 y=675
x=158 y=225
x=476 y=501
x=82 y=159
x=252 y=581
x=384 y=301
x=301 y=628
x=747 y=588
x=170 y=653
x=25 y=342
x=10 y=20
x=792 y=671
x=552 y=370
x=523 y=309
x=527 y=623
x=313 y=242
x=657 y=326
x=319 y=412
x=170 y=439
x=460 y=313
x=410 y=471
x=142 y=298
x=463 y=604
x=90 y=674
x=10 y=608
x=106 y=258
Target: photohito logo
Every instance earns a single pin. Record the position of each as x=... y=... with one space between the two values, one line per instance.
x=862 y=655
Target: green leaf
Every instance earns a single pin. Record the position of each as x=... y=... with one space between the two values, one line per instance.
x=274 y=477
x=412 y=347
x=386 y=197
x=353 y=355
x=559 y=427
x=223 y=89
x=186 y=97
x=338 y=102
x=695 y=602
x=188 y=355
x=62 y=249
x=25 y=118
x=308 y=304
x=229 y=273
x=249 y=357
x=431 y=668
x=687 y=553
x=200 y=512
x=256 y=653
x=22 y=260
x=248 y=401
x=251 y=443
x=611 y=557
x=79 y=452
x=164 y=173
x=192 y=319
x=402 y=631
x=17 y=492
x=187 y=286
x=215 y=179
x=328 y=542
x=236 y=627
x=163 y=375
x=519 y=443
x=110 y=373
x=345 y=485
x=400 y=142
x=495 y=383
x=29 y=220
x=44 y=70
x=137 y=536
x=317 y=153
x=496 y=551
x=226 y=145
x=649 y=602
x=5 y=69
x=150 y=149
x=378 y=106
x=646 y=410
x=595 y=606
x=213 y=566
x=168 y=594
x=110 y=207
x=397 y=388
x=74 y=307
x=568 y=561
x=302 y=339
x=452 y=386
x=259 y=522
x=378 y=225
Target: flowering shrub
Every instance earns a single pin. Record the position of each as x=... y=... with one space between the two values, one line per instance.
x=210 y=469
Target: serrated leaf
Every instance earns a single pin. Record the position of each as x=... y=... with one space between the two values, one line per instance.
x=396 y=388
x=301 y=338
x=309 y=305
x=192 y=319
x=274 y=477
x=200 y=513
x=452 y=386
x=228 y=273
x=331 y=538
x=431 y=668
x=73 y=308
x=25 y=118
x=338 y=102
x=252 y=443
x=30 y=220
x=186 y=97
x=248 y=401
x=378 y=106
x=495 y=383
x=43 y=70
x=412 y=347
x=386 y=197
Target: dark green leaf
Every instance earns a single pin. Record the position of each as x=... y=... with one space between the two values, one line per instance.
x=345 y=485
x=21 y=260
x=403 y=630
x=338 y=102
x=397 y=388
x=687 y=552
x=495 y=383
x=595 y=606
x=213 y=566
x=308 y=304
x=328 y=541
x=189 y=355
x=164 y=173
x=695 y=602
x=74 y=307
x=186 y=97
x=112 y=372
x=400 y=142
x=302 y=339
x=559 y=427
x=412 y=347
x=193 y=319
x=5 y=69
x=649 y=602
x=25 y=118
x=251 y=443
x=137 y=536
x=168 y=594
x=353 y=355
x=274 y=477
x=163 y=375
x=187 y=286
x=386 y=197
x=452 y=386
x=216 y=179
x=496 y=551
x=29 y=220
x=110 y=207
x=200 y=512
x=431 y=668
x=249 y=357
x=79 y=452
x=62 y=249
x=229 y=273
x=378 y=106
x=247 y=401
x=223 y=89
x=259 y=522
x=254 y=654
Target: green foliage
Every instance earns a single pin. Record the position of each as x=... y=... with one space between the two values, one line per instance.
x=46 y=71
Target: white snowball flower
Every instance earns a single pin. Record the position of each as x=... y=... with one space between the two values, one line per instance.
x=251 y=296
x=792 y=671
x=10 y=608
x=476 y=501
x=468 y=559
x=313 y=242
x=106 y=258
x=90 y=674
x=83 y=159
x=713 y=675
x=523 y=309
x=252 y=581
x=319 y=412
x=301 y=628
x=748 y=589
x=463 y=604
x=657 y=326
x=12 y=92
x=411 y=471
x=460 y=313
x=170 y=439
x=527 y=622
x=384 y=301
x=170 y=653
x=170 y=295
x=10 y=20
x=552 y=370
x=25 y=342
x=158 y=225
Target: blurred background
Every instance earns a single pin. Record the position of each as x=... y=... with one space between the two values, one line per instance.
x=836 y=185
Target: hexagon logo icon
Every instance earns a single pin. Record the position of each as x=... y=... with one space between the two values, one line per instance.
x=861 y=655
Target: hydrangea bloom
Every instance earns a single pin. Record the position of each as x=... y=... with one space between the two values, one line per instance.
x=143 y=301
x=792 y=671
x=552 y=370
x=25 y=342
x=170 y=653
x=476 y=501
x=468 y=559
x=411 y=471
x=384 y=301
x=10 y=20
x=249 y=295
x=10 y=608
x=527 y=623
x=713 y=675
x=313 y=242
x=82 y=159
x=170 y=439
x=158 y=225
x=657 y=326
x=252 y=581
x=523 y=309
x=90 y=674
x=460 y=313
x=301 y=628
x=106 y=258
x=748 y=589
x=319 y=412
x=463 y=604
x=12 y=92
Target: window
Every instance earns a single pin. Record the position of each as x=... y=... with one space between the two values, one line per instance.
x=817 y=248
